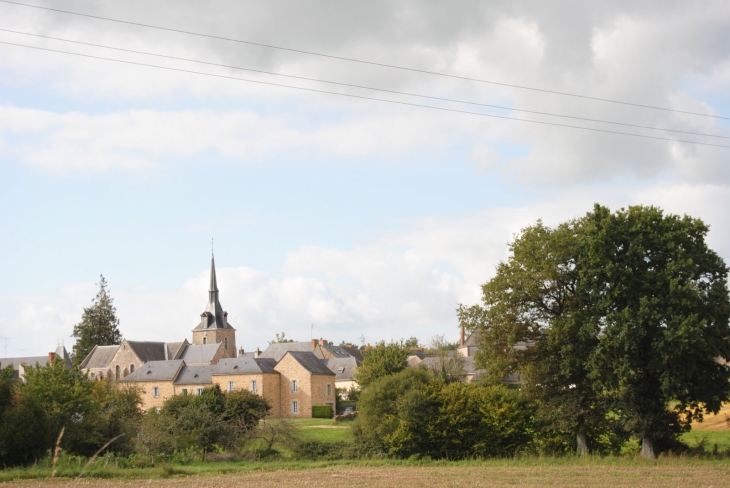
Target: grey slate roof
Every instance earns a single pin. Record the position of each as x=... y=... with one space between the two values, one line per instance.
x=156 y=371
x=193 y=375
x=199 y=353
x=337 y=351
x=148 y=351
x=277 y=351
x=472 y=339
x=174 y=348
x=100 y=357
x=310 y=362
x=245 y=364
x=344 y=368
x=354 y=352
x=27 y=361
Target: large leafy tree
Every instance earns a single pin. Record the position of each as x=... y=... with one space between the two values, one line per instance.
x=99 y=325
x=535 y=323
x=662 y=298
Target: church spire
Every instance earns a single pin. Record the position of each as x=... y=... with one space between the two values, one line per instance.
x=213 y=280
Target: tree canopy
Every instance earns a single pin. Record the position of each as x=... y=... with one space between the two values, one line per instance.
x=99 y=325
x=621 y=312
x=381 y=360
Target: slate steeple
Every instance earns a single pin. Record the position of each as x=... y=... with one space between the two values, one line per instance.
x=214 y=316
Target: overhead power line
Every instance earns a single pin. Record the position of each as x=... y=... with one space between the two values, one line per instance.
x=362 y=97
x=146 y=53
x=362 y=61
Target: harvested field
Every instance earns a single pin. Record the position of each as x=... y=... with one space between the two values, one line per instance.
x=629 y=473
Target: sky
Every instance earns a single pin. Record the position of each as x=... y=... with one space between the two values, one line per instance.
x=344 y=218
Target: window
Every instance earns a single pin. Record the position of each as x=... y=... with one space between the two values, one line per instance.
x=200 y=391
x=156 y=392
x=295 y=407
x=205 y=340
x=131 y=368
x=230 y=386
x=294 y=386
x=225 y=342
x=254 y=386
x=329 y=390
x=184 y=391
x=117 y=372
x=340 y=370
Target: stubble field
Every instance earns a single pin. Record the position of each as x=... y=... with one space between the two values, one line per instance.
x=598 y=473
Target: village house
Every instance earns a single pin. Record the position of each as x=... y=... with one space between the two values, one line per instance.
x=20 y=364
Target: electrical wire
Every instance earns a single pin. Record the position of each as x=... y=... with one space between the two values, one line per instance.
x=362 y=97
x=364 y=87
x=362 y=61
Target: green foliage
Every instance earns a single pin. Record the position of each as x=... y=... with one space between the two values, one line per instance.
x=69 y=400
x=213 y=418
x=623 y=315
x=413 y=413
x=322 y=412
x=280 y=339
x=662 y=297
x=377 y=408
x=99 y=325
x=380 y=361
x=457 y=420
x=24 y=433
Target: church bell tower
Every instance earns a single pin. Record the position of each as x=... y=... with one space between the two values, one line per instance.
x=214 y=327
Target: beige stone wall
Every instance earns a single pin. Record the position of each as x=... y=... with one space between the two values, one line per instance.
x=165 y=389
x=191 y=389
x=311 y=389
x=320 y=395
x=124 y=358
x=290 y=369
x=267 y=386
x=215 y=336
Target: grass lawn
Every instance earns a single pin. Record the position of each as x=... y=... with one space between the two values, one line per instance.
x=323 y=430
x=532 y=472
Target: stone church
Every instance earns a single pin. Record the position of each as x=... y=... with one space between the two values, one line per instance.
x=293 y=382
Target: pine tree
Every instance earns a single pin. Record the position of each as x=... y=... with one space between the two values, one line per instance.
x=99 y=325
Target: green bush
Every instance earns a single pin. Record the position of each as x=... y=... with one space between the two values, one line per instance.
x=322 y=412
x=326 y=451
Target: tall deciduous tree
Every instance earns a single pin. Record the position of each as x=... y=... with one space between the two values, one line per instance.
x=99 y=325
x=662 y=298
x=536 y=324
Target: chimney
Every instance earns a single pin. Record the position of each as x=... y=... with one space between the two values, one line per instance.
x=257 y=353
x=240 y=351
x=321 y=341
x=51 y=356
x=462 y=335
x=367 y=347
x=315 y=342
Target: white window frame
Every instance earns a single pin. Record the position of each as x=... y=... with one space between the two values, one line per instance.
x=295 y=407
x=294 y=386
x=200 y=391
x=254 y=386
x=329 y=389
x=155 y=392
x=230 y=386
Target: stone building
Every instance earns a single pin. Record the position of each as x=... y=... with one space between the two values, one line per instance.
x=293 y=379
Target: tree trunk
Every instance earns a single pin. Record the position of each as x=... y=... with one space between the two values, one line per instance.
x=580 y=438
x=647 y=448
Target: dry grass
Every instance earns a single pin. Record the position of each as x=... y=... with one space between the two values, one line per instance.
x=628 y=473
x=715 y=422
